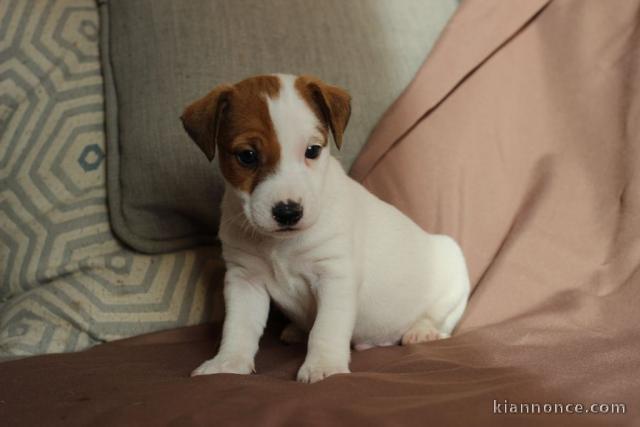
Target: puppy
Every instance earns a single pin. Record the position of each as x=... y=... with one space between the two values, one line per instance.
x=344 y=266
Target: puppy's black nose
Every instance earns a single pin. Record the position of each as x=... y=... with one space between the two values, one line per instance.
x=287 y=213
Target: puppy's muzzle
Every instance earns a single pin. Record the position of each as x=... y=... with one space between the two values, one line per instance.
x=287 y=213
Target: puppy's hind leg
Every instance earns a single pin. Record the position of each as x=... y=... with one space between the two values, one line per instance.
x=422 y=330
x=291 y=334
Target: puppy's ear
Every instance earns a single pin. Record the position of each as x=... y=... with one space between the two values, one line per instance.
x=202 y=119
x=334 y=105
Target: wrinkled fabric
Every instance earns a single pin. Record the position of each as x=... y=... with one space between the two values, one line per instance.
x=145 y=381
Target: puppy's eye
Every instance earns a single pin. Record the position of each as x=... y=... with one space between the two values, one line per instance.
x=313 y=151
x=247 y=158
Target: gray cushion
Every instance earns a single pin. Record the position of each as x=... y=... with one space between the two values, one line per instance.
x=161 y=54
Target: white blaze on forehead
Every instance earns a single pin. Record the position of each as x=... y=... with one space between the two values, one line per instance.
x=293 y=121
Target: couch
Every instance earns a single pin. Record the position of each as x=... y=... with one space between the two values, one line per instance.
x=517 y=136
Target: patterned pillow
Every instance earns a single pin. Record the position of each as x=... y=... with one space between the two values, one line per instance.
x=66 y=282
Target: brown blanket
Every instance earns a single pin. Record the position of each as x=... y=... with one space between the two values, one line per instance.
x=144 y=381
x=520 y=137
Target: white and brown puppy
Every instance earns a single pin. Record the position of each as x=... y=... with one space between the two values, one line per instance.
x=344 y=266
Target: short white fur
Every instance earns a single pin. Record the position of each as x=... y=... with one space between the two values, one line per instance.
x=356 y=271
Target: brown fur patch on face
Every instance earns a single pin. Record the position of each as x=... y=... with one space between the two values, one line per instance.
x=247 y=125
x=330 y=104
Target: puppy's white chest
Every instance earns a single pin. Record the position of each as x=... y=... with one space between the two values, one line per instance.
x=290 y=287
x=283 y=273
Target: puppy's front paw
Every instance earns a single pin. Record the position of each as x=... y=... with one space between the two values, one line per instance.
x=223 y=364
x=314 y=371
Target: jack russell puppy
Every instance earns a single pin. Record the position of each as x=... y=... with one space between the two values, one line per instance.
x=345 y=267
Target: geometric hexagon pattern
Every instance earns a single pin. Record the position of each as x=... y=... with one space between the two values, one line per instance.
x=66 y=283
x=91 y=157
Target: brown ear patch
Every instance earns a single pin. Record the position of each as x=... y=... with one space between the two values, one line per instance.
x=236 y=118
x=202 y=119
x=330 y=104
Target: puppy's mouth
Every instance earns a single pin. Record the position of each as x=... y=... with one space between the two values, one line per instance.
x=282 y=231
x=286 y=229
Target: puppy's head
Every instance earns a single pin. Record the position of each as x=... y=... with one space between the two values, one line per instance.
x=271 y=135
